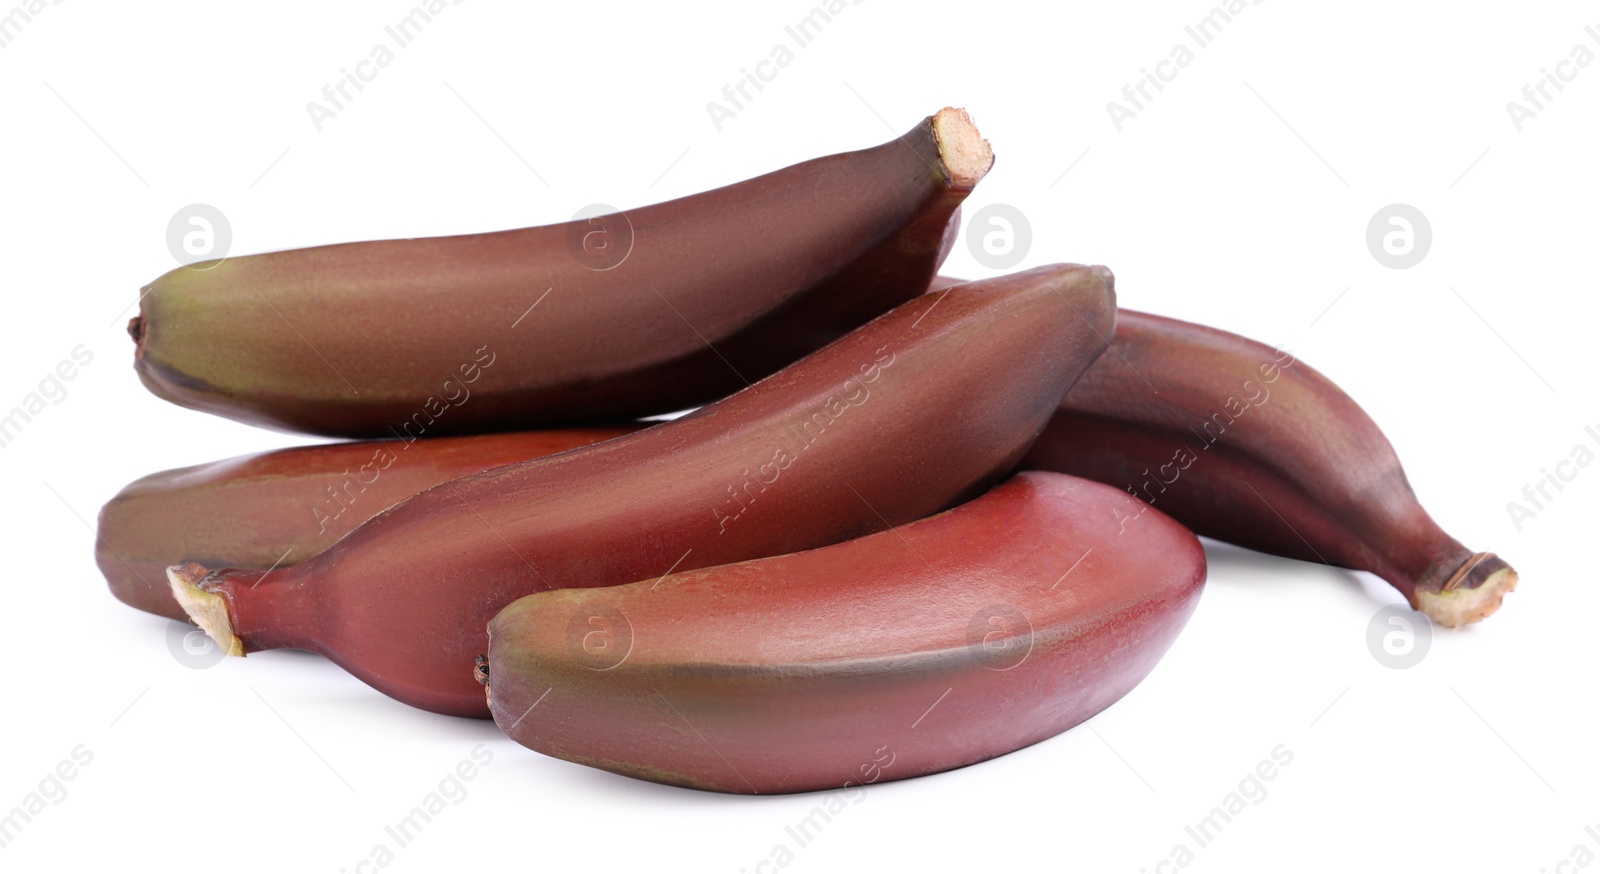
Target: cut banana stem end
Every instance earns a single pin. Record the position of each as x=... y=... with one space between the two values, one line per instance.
x=1471 y=594
x=207 y=609
x=965 y=153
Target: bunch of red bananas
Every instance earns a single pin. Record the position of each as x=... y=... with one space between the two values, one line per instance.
x=898 y=490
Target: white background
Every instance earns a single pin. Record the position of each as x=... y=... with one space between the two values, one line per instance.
x=1239 y=197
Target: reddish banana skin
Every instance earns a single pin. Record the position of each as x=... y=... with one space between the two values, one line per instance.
x=373 y=339
x=942 y=643
x=277 y=509
x=878 y=428
x=1305 y=473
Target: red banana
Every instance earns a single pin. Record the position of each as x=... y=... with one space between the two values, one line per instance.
x=1244 y=444
x=919 y=409
x=277 y=509
x=941 y=643
x=653 y=310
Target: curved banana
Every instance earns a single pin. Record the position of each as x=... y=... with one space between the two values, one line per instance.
x=277 y=509
x=614 y=317
x=940 y=643
x=1246 y=444
x=877 y=428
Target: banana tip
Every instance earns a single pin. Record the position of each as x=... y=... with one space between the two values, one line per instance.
x=137 y=324
x=208 y=609
x=136 y=328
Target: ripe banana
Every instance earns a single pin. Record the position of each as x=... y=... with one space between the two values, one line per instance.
x=878 y=428
x=653 y=310
x=941 y=643
x=1242 y=443
x=276 y=509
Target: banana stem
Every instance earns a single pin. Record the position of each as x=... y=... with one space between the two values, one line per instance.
x=207 y=609
x=1473 y=592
